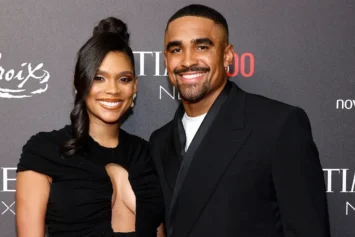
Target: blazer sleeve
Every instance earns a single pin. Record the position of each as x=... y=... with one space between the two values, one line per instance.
x=298 y=180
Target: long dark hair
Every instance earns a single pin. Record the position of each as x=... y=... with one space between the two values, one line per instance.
x=109 y=35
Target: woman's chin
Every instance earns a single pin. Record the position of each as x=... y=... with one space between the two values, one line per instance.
x=111 y=121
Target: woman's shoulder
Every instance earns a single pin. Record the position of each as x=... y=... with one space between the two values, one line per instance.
x=54 y=137
x=41 y=152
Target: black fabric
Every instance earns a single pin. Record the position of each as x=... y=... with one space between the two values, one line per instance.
x=195 y=143
x=80 y=194
x=180 y=136
x=256 y=173
x=129 y=234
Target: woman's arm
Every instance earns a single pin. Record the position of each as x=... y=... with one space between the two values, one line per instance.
x=161 y=231
x=32 y=192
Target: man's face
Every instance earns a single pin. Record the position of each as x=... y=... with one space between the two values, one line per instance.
x=196 y=55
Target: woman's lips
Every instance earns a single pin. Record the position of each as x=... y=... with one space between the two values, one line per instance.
x=110 y=104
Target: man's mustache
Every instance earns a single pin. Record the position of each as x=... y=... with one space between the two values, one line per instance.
x=191 y=69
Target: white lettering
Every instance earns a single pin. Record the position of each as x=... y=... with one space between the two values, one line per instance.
x=340 y=102
x=157 y=65
x=141 y=60
x=6 y=179
x=171 y=95
x=36 y=73
x=2 y=70
x=348 y=104
x=345 y=171
x=9 y=75
x=329 y=178
x=31 y=74
x=347 y=208
x=345 y=104
x=353 y=185
x=8 y=208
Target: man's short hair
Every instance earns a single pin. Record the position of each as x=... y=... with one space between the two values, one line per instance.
x=201 y=11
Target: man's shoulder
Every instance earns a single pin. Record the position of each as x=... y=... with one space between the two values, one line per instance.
x=259 y=102
x=162 y=132
x=263 y=110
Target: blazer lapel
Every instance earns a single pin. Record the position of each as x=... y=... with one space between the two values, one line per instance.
x=171 y=160
x=216 y=151
x=171 y=163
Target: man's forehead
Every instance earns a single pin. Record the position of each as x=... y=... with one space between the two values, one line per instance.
x=193 y=26
x=191 y=20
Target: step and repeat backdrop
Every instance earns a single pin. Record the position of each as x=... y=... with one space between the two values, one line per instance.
x=299 y=52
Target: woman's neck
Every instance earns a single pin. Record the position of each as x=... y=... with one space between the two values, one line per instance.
x=105 y=134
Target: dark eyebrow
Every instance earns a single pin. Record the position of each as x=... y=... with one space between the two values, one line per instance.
x=125 y=72
x=202 y=41
x=101 y=72
x=173 y=43
x=119 y=74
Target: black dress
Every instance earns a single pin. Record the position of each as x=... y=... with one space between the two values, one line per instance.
x=81 y=191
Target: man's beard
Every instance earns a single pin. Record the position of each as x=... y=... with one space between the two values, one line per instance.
x=193 y=93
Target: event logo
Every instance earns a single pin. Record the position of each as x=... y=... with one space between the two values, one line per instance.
x=341 y=181
x=28 y=81
x=345 y=104
x=242 y=65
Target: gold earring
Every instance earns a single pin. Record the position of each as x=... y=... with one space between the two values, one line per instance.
x=133 y=98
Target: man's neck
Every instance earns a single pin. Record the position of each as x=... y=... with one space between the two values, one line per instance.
x=204 y=105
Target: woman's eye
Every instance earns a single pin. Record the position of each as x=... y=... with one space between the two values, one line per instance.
x=125 y=79
x=99 y=78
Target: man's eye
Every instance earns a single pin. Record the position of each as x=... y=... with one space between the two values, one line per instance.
x=99 y=78
x=176 y=50
x=202 y=47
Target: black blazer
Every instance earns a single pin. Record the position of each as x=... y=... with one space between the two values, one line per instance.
x=256 y=173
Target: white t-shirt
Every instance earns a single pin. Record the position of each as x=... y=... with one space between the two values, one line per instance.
x=191 y=125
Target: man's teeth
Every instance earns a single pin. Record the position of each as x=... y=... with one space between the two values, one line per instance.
x=109 y=104
x=191 y=76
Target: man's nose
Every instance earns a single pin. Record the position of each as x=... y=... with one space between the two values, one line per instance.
x=189 y=59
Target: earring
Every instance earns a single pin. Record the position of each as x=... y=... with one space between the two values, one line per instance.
x=133 y=98
x=227 y=69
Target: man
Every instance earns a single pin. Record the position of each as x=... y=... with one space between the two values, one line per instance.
x=232 y=163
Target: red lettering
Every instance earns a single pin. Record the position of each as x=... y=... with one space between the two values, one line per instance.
x=236 y=66
x=241 y=66
x=251 y=64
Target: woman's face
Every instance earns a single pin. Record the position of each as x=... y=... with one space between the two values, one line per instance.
x=112 y=90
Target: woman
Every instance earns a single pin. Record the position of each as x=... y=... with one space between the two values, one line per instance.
x=92 y=178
